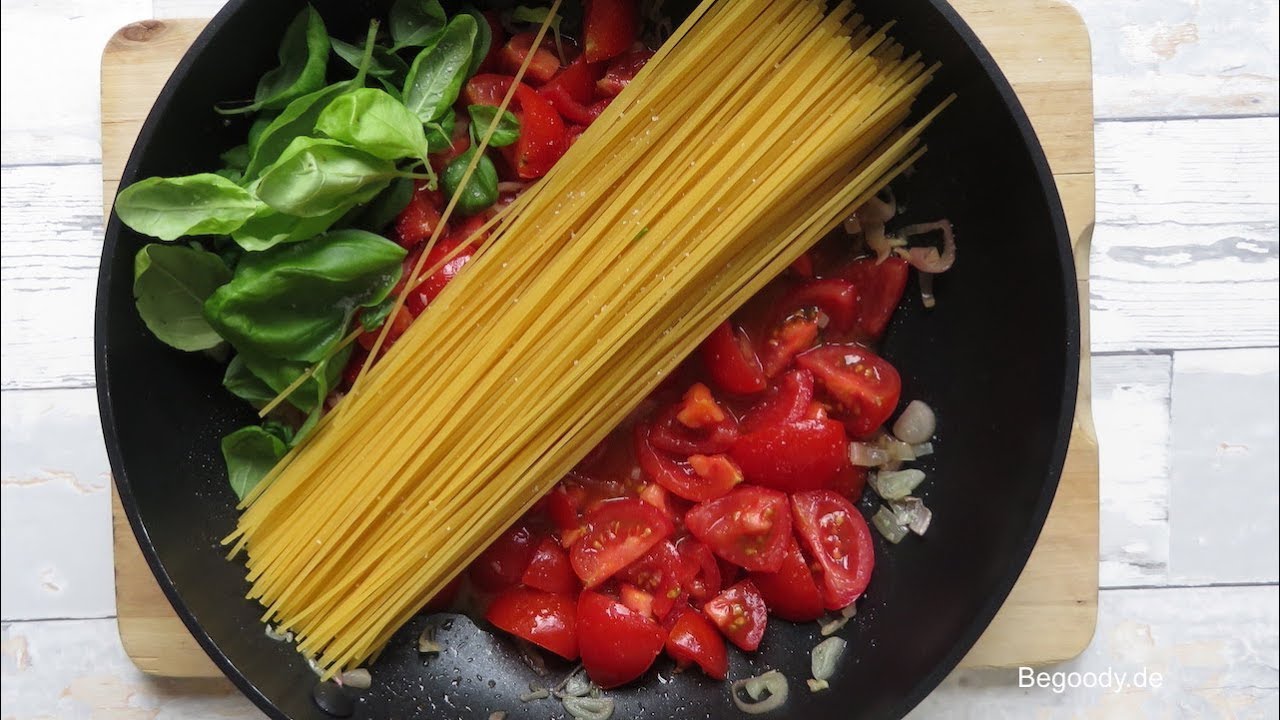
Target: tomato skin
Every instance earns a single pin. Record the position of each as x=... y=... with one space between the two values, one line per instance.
x=789 y=401
x=609 y=28
x=486 y=89
x=880 y=289
x=617 y=644
x=549 y=570
x=694 y=640
x=618 y=533
x=835 y=297
x=850 y=481
x=420 y=217
x=420 y=297
x=400 y=323
x=544 y=619
x=803 y=266
x=543 y=136
x=839 y=541
x=662 y=574
x=748 y=527
x=680 y=478
x=572 y=91
x=503 y=563
x=542 y=68
x=803 y=455
x=702 y=572
x=696 y=425
x=731 y=361
x=791 y=593
x=866 y=386
x=741 y=614
x=795 y=335
x=621 y=72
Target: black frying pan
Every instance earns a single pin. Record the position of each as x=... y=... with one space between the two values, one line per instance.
x=998 y=358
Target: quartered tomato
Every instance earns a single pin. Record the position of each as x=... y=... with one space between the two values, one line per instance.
x=788 y=402
x=839 y=541
x=835 y=297
x=544 y=619
x=617 y=644
x=748 y=527
x=791 y=592
x=434 y=284
x=503 y=563
x=793 y=336
x=544 y=65
x=621 y=72
x=572 y=92
x=694 y=640
x=700 y=568
x=420 y=217
x=636 y=600
x=880 y=288
x=609 y=28
x=731 y=361
x=549 y=570
x=801 y=455
x=866 y=386
x=661 y=573
x=681 y=478
x=618 y=533
x=543 y=136
x=740 y=613
x=695 y=425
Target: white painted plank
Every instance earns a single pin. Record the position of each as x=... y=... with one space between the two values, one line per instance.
x=50 y=52
x=1131 y=412
x=56 y=557
x=1226 y=458
x=187 y=8
x=77 y=670
x=51 y=234
x=1214 y=648
x=1186 y=253
x=1178 y=58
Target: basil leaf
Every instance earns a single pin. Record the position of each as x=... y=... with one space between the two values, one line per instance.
x=242 y=383
x=482 y=117
x=440 y=133
x=170 y=286
x=385 y=208
x=270 y=228
x=484 y=39
x=277 y=375
x=315 y=176
x=437 y=74
x=304 y=58
x=384 y=64
x=169 y=208
x=295 y=301
x=413 y=22
x=373 y=121
x=259 y=126
x=297 y=120
x=373 y=318
x=237 y=158
x=250 y=453
x=481 y=190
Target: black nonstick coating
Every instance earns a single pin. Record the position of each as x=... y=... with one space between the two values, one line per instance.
x=998 y=358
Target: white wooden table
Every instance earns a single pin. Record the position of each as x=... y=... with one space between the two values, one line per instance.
x=1186 y=286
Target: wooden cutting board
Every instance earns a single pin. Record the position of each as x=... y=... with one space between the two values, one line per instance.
x=1043 y=48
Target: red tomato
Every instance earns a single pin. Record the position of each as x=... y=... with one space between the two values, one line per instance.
x=803 y=266
x=657 y=496
x=621 y=72
x=788 y=402
x=693 y=639
x=610 y=28
x=748 y=527
x=740 y=613
x=695 y=425
x=803 y=455
x=400 y=323
x=572 y=91
x=838 y=539
x=636 y=600
x=544 y=619
x=701 y=570
x=543 y=136
x=795 y=335
x=434 y=284
x=354 y=365
x=661 y=573
x=791 y=593
x=731 y=361
x=618 y=644
x=678 y=477
x=549 y=570
x=880 y=289
x=420 y=217
x=562 y=509
x=486 y=89
x=850 y=481
x=837 y=298
x=866 y=386
x=717 y=470
x=542 y=68
x=502 y=564
x=618 y=533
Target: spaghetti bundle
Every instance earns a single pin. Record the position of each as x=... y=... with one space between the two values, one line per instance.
x=752 y=133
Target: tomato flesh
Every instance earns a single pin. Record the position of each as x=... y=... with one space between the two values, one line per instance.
x=609 y=28
x=835 y=297
x=621 y=72
x=696 y=425
x=839 y=541
x=802 y=455
x=748 y=527
x=791 y=593
x=572 y=92
x=542 y=67
x=617 y=644
x=544 y=619
x=618 y=533
x=788 y=402
x=740 y=613
x=880 y=287
x=662 y=574
x=694 y=640
x=795 y=335
x=549 y=570
x=866 y=387
x=732 y=362
x=681 y=478
x=701 y=570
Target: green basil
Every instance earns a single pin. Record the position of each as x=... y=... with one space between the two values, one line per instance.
x=313 y=176
x=277 y=375
x=384 y=63
x=371 y=120
x=297 y=120
x=270 y=228
x=437 y=74
x=169 y=208
x=304 y=58
x=295 y=301
x=242 y=383
x=440 y=132
x=484 y=39
x=259 y=126
x=372 y=318
x=170 y=286
x=482 y=117
x=481 y=190
x=250 y=453
x=385 y=208
x=537 y=16
x=413 y=22
x=237 y=158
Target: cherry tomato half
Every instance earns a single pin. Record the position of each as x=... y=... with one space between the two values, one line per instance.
x=549 y=570
x=617 y=644
x=609 y=28
x=788 y=401
x=791 y=593
x=618 y=533
x=795 y=335
x=880 y=289
x=748 y=527
x=661 y=573
x=695 y=425
x=544 y=619
x=681 y=478
x=693 y=639
x=866 y=386
x=731 y=361
x=802 y=455
x=839 y=541
x=835 y=297
x=572 y=92
x=701 y=570
x=741 y=614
